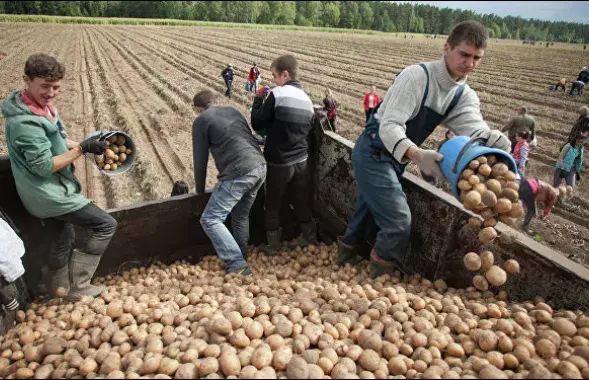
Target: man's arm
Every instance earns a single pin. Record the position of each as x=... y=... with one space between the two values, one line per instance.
x=466 y=118
x=509 y=125
x=71 y=144
x=36 y=149
x=200 y=152
x=263 y=113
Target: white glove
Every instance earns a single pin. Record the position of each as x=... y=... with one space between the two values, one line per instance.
x=495 y=139
x=427 y=161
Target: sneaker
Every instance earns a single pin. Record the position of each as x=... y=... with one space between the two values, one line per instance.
x=245 y=271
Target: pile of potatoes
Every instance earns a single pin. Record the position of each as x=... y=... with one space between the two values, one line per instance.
x=488 y=188
x=299 y=316
x=115 y=155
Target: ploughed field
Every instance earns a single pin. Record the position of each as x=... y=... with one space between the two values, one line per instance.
x=141 y=79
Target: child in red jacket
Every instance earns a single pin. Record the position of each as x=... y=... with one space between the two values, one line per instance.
x=521 y=151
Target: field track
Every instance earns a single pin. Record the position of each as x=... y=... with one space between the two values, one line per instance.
x=141 y=79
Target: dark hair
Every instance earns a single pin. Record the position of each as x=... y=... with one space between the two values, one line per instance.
x=203 y=98
x=44 y=66
x=286 y=63
x=471 y=32
x=180 y=187
x=523 y=134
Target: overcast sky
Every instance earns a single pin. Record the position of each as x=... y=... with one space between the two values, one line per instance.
x=571 y=11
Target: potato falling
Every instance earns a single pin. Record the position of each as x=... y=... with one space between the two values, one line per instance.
x=116 y=154
x=488 y=188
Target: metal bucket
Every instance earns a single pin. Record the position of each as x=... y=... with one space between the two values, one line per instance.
x=129 y=144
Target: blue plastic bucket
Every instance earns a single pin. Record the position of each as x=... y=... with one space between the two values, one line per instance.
x=460 y=151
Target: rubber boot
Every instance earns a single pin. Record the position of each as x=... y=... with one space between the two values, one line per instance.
x=378 y=266
x=83 y=267
x=347 y=254
x=59 y=278
x=308 y=233
x=274 y=239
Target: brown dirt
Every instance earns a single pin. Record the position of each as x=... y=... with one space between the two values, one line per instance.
x=141 y=79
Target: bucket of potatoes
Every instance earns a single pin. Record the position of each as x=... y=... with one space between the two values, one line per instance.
x=486 y=182
x=119 y=154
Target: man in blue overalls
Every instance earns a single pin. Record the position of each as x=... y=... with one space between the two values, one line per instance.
x=422 y=97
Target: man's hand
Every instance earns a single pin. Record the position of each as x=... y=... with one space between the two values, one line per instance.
x=428 y=162
x=93 y=145
x=71 y=144
x=498 y=140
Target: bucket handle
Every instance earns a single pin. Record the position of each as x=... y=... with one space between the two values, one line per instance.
x=464 y=149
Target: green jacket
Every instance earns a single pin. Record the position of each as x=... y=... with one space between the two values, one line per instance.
x=32 y=142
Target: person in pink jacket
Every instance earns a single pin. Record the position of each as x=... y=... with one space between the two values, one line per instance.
x=371 y=100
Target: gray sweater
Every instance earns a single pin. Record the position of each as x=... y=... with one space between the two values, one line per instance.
x=226 y=133
x=403 y=101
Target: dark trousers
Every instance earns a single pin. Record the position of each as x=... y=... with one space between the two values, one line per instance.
x=100 y=224
x=228 y=84
x=332 y=122
x=294 y=179
x=526 y=195
x=369 y=113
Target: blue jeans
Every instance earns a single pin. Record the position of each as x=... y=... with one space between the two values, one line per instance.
x=380 y=197
x=569 y=177
x=235 y=196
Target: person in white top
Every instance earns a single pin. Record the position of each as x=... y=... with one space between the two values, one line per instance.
x=423 y=96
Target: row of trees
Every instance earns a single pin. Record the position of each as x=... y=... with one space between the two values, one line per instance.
x=374 y=15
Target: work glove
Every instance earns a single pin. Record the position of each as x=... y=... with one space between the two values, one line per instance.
x=93 y=145
x=495 y=139
x=427 y=161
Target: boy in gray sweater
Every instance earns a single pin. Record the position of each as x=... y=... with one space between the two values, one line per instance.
x=422 y=96
x=242 y=172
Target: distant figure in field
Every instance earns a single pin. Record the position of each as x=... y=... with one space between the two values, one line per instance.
x=330 y=105
x=533 y=190
x=570 y=162
x=227 y=75
x=521 y=151
x=561 y=83
x=180 y=188
x=581 y=126
x=522 y=122
x=577 y=86
x=371 y=100
x=583 y=75
x=252 y=78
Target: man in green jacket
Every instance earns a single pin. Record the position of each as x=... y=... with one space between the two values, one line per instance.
x=41 y=158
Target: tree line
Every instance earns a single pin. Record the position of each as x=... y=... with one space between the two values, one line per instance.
x=371 y=15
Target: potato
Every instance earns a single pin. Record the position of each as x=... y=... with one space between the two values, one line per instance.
x=230 y=364
x=472 y=261
x=480 y=188
x=494 y=186
x=99 y=158
x=128 y=152
x=115 y=150
x=499 y=170
x=297 y=368
x=496 y=276
x=466 y=174
x=121 y=140
x=464 y=185
x=487 y=235
x=106 y=167
x=563 y=327
x=112 y=139
x=511 y=266
x=369 y=360
x=489 y=198
x=262 y=357
x=472 y=199
x=484 y=170
x=475 y=222
x=473 y=180
x=480 y=283
x=208 y=366
x=122 y=157
x=491 y=222
x=114 y=167
x=510 y=194
x=503 y=206
x=109 y=153
x=569 y=191
x=512 y=185
x=504 y=218
x=517 y=210
x=487 y=260
x=491 y=160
